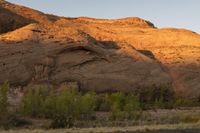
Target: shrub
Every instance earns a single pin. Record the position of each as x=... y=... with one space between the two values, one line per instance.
x=124 y=106
x=64 y=111
x=182 y=102
x=4 y=114
x=106 y=101
x=8 y=118
x=116 y=113
x=48 y=105
x=62 y=120
x=156 y=97
x=33 y=101
x=132 y=107
x=159 y=103
x=67 y=102
x=70 y=106
x=87 y=105
x=116 y=101
x=4 y=98
x=103 y=103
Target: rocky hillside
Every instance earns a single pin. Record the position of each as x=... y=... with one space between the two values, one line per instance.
x=96 y=54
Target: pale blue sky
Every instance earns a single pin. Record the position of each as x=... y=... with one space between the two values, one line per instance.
x=163 y=13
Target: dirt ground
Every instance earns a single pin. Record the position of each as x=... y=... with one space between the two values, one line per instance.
x=171 y=128
x=165 y=131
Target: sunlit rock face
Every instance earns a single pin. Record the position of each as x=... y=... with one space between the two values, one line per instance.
x=98 y=54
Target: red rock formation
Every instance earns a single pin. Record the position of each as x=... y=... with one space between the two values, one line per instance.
x=98 y=54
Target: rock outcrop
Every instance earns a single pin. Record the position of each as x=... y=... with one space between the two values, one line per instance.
x=98 y=54
x=50 y=54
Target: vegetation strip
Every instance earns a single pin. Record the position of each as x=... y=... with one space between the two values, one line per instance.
x=195 y=126
x=67 y=107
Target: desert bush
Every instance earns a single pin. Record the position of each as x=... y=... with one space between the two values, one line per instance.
x=8 y=118
x=48 y=105
x=124 y=106
x=156 y=97
x=132 y=107
x=33 y=101
x=116 y=113
x=120 y=105
x=62 y=120
x=87 y=105
x=4 y=114
x=116 y=101
x=182 y=102
x=70 y=105
x=4 y=98
x=62 y=108
x=106 y=101
x=103 y=102
x=159 y=103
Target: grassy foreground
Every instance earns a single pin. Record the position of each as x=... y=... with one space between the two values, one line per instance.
x=175 y=128
x=43 y=109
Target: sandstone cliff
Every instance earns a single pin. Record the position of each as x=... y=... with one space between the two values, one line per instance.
x=97 y=54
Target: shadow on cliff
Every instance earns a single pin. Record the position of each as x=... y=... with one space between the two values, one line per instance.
x=10 y=21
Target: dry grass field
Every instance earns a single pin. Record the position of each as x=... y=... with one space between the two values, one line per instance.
x=177 y=128
x=159 y=121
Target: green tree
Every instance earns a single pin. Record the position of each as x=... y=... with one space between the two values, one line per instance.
x=104 y=103
x=66 y=109
x=132 y=107
x=117 y=101
x=87 y=105
x=4 y=98
x=33 y=100
x=48 y=105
